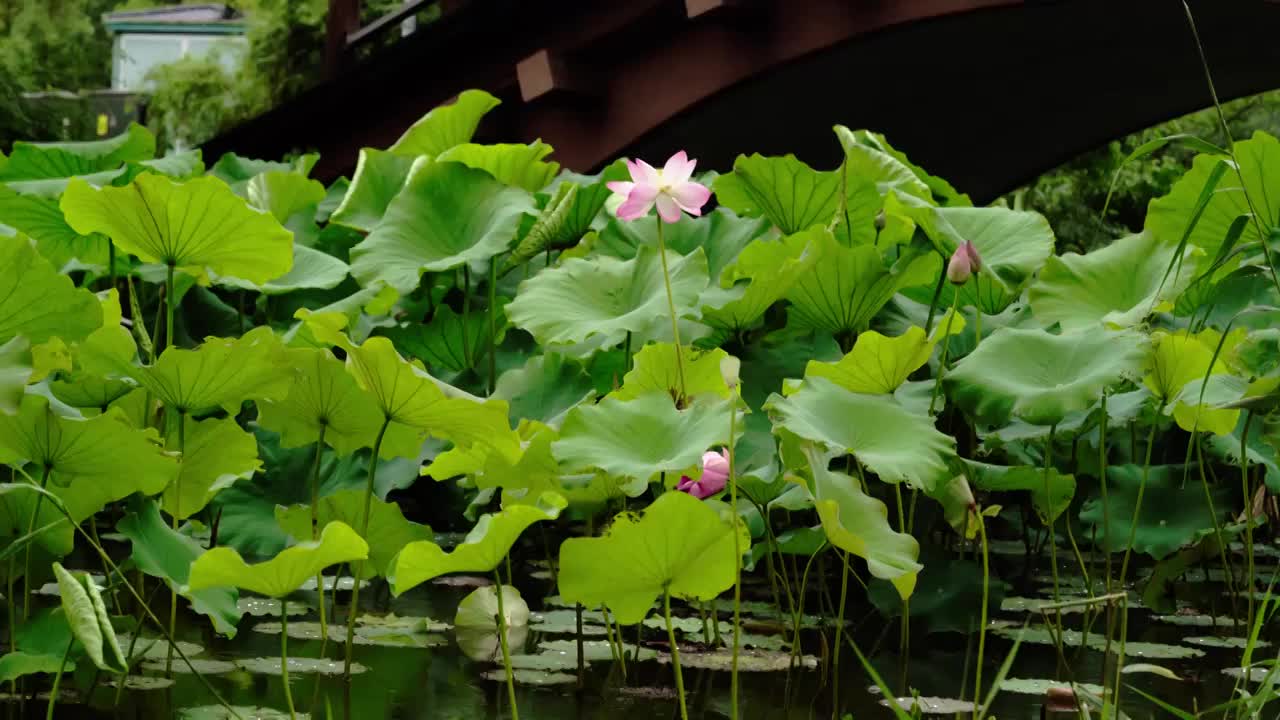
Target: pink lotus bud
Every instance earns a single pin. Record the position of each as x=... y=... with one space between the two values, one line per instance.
x=715 y=474
x=975 y=260
x=964 y=262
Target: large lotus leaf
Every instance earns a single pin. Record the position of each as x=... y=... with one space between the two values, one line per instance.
x=849 y=285
x=575 y=202
x=1173 y=514
x=792 y=195
x=545 y=388
x=481 y=551
x=1042 y=378
x=680 y=544
x=237 y=171
x=1180 y=358
x=323 y=396
x=38 y=302
x=450 y=341
x=889 y=440
x=655 y=370
x=282 y=574
x=378 y=179
x=30 y=161
x=311 y=270
x=769 y=267
x=87 y=385
x=603 y=298
x=1199 y=407
x=1115 y=286
x=879 y=365
x=165 y=553
x=221 y=372
x=41 y=219
x=865 y=159
x=1169 y=217
x=18 y=505
x=216 y=453
x=284 y=193
x=447 y=215
x=87 y=614
x=446 y=126
x=640 y=438
x=196 y=226
x=14 y=665
x=85 y=457
x=721 y=234
x=858 y=523
x=536 y=472
x=417 y=404
x=16 y=367
x=522 y=166
x=1049 y=497
x=389 y=531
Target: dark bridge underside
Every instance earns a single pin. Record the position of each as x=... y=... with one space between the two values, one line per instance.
x=987 y=93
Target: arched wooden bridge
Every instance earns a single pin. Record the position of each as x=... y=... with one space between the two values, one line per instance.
x=987 y=93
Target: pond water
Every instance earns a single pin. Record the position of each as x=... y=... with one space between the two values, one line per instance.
x=431 y=677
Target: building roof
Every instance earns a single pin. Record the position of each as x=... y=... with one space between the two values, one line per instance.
x=209 y=18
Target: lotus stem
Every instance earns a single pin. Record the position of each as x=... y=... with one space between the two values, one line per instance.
x=1102 y=479
x=169 y=300
x=1053 y=544
x=466 y=312
x=675 y=651
x=835 y=656
x=582 y=670
x=284 y=659
x=26 y=563
x=737 y=560
x=57 y=680
x=1248 y=513
x=357 y=570
x=1137 y=505
x=675 y=320
x=177 y=512
x=946 y=350
x=493 y=324
x=982 y=628
x=315 y=534
x=111 y=264
x=506 y=652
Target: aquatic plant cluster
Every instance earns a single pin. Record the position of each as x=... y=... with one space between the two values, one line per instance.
x=212 y=378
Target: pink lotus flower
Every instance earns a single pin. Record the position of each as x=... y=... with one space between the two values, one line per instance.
x=964 y=262
x=669 y=188
x=715 y=473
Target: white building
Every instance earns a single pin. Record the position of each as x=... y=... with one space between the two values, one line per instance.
x=145 y=39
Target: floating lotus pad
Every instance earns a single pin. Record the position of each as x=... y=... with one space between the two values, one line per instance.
x=257 y=606
x=304 y=666
x=1230 y=643
x=1034 y=605
x=403 y=623
x=217 y=712
x=594 y=650
x=748 y=660
x=530 y=677
x=1254 y=674
x=381 y=636
x=1074 y=638
x=155 y=648
x=143 y=682
x=203 y=666
x=1197 y=620
x=1041 y=687
x=933 y=705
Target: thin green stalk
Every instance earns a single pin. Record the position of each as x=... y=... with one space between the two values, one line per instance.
x=493 y=324
x=466 y=313
x=675 y=651
x=169 y=296
x=177 y=513
x=982 y=630
x=835 y=657
x=357 y=570
x=1137 y=507
x=946 y=350
x=26 y=563
x=1223 y=555
x=1248 y=512
x=937 y=295
x=506 y=652
x=284 y=659
x=1102 y=478
x=57 y=681
x=111 y=263
x=626 y=351
x=1053 y=544
x=675 y=321
x=315 y=532
x=737 y=559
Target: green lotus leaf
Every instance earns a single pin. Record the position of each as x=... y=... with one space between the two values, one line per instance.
x=481 y=551
x=575 y=202
x=323 y=396
x=849 y=285
x=379 y=177
x=858 y=523
x=16 y=367
x=41 y=219
x=446 y=126
x=870 y=155
x=1169 y=217
x=311 y=270
x=879 y=365
x=1116 y=286
x=525 y=480
x=196 y=226
x=602 y=299
x=14 y=665
x=1049 y=498
x=446 y=216
x=889 y=440
x=480 y=608
x=721 y=234
x=517 y=165
x=678 y=544
x=85 y=457
x=389 y=531
x=161 y=552
x=655 y=370
x=441 y=344
x=87 y=614
x=417 y=404
x=545 y=388
x=1180 y=358
x=282 y=574
x=216 y=453
x=283 y=193
x=30 y=161
x=771 y=268
x=237 y=171
x=221 y=372
x=1042 y=378
x=38 y=302
x=1173 y=514
x=792 y=195
x=640 y=438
